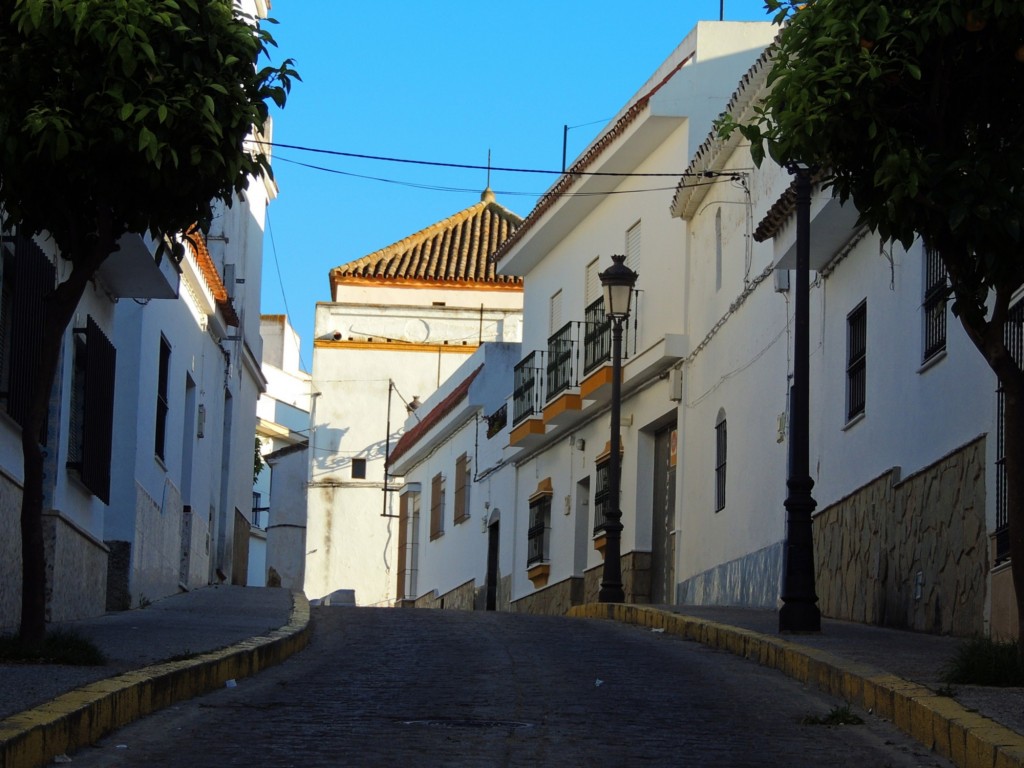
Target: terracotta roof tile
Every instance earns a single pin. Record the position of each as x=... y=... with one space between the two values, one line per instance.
x=197 y=243
x=433 y=417
x=454 y=250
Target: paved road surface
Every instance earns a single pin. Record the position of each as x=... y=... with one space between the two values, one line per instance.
x=386 y=687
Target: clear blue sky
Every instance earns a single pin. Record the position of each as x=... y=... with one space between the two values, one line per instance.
x=441 y=81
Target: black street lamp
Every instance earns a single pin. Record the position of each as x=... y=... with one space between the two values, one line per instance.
x=618 y=281
x=799 y=612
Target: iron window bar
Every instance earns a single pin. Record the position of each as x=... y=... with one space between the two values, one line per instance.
x=528 y=387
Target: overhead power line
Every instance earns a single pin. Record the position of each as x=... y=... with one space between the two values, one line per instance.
x=472 y=167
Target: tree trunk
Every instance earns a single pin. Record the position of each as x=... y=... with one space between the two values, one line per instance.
x=60 y=308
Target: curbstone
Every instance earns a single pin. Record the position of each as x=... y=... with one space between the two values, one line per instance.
x=82 y=716
x=941 y=724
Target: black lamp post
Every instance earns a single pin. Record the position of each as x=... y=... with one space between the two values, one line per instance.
x=799 y=612
x=618 y=281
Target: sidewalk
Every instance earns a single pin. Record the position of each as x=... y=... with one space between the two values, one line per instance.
x=891 y=672
x=214 y=633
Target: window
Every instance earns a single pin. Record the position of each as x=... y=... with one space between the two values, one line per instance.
x=540 y=523
x=437 y=506
x=600 y=495
x=359 y=469
x=462 y=482
x=721 y=454
x=934 y=306
x=633 y=247
x=555 y=312
x=91 y=419
x=718 y=249
x=1014 y=340
x=856 y=361
x=26 y=276
x=592 y=289
x=162 y=406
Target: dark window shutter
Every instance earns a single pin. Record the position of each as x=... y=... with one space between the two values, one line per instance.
x=101 y=361
x=35 y=277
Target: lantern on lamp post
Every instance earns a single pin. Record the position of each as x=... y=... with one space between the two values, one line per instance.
x=617 y=281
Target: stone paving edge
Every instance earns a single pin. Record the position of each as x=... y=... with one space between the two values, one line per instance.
x=939 y=723
x=84 y=715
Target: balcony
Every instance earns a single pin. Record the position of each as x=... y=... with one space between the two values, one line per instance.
x=563 y=399
x=596 y=385
x=527 y=399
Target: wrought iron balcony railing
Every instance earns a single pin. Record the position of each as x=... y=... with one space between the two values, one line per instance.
x=528 y=387
x=597 y=336
x=563 y=360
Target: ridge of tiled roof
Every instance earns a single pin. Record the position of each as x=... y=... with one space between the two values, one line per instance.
x=197 y=242
x=712 y=153
x=433 y=417
x=454 y=250
x=587 y=159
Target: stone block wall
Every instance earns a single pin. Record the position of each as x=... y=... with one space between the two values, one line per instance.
x=76 y=570
x=552 y=600
x=10 y=554
x=910 y=554
x=636 y=579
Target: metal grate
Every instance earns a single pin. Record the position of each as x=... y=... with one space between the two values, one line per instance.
x=936 y=290
x=528 y=386
x=856 y=361
x=561 y=367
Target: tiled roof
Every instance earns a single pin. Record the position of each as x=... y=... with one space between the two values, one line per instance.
x=195 y=240
x=454 y=250
x=431 y=420
x=585 y=161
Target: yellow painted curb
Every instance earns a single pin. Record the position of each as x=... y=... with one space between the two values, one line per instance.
x=80 y=717
x=941 y=724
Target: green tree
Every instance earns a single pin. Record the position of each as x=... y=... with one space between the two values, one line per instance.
x=914 y=110
x=119 y=116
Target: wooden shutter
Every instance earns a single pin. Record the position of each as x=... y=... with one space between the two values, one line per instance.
x=100 y=365
x=34 y=280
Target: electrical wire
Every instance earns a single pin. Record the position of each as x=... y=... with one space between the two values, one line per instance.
x=474 y=167
x=280 y=281
x=504 y=193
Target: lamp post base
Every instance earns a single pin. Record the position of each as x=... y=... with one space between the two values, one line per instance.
x=799 y=616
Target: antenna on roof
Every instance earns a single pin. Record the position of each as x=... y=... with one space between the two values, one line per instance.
x=721 y=10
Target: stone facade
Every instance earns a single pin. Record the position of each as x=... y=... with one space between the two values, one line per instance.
x=10 y=554
x=753 y=581
x=636 y=579
x=910 y=554
x=76 y=570
x=552 y=600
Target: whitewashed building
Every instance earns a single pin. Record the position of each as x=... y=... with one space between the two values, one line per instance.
x=148 y=469
x=400 y=321
x=277 y=541
x=903 y=442
x=453 y=458
x=561 y=388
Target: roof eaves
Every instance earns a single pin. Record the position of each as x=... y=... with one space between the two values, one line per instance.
x=585 y=161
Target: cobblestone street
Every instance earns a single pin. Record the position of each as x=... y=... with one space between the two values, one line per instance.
x=380 y=687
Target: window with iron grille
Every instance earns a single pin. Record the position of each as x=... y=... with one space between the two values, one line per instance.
x=528 y=384
x=856 y=361
x=462 y=488
x=1014 y=339
x=91 y=418
x=721 y=454
x=934 y=307
x=600 y=494
x=162 y=403
x=437 y=506
x=537 y=534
